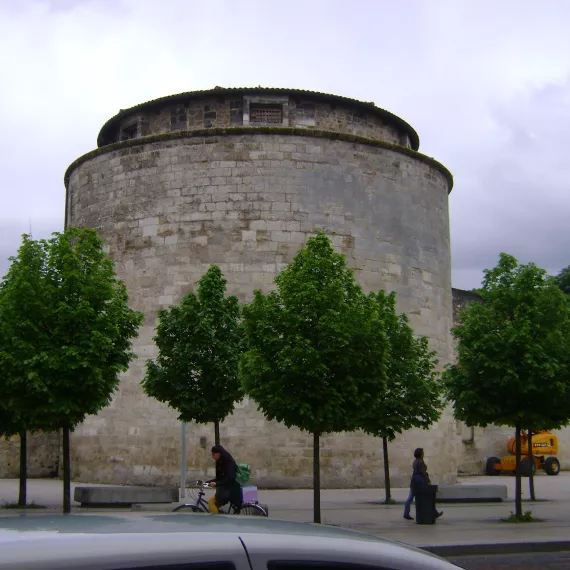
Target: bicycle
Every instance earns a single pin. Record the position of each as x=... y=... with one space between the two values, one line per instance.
x=201 y=506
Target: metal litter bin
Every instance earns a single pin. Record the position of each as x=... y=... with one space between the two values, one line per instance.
x=425 y=504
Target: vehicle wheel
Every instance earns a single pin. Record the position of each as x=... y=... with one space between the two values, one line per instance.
x=552 y=466
x=188 y=508
x=528 y=466
x=250 y=509
x=490 y=468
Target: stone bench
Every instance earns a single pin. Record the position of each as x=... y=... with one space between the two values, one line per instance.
x=471 y=493
x=123 y=496
x=159 y=507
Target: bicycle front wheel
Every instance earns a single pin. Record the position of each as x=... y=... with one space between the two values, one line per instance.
x=251 y=509
x=188 y=508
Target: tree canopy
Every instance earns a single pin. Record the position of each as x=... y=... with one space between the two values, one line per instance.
x=513 y=353
x=563 y=280
x=316 y=348
x=412 y=395
x=66 y=330
x=199 y=345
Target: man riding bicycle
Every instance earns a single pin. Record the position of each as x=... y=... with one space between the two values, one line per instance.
x=228 y=489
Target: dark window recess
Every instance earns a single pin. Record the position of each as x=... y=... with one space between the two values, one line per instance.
x=306 y=110
x=236 y=112
x=130 y=132
x=209 y=117
x=190 y=566
x=269 y=114
x=145 y=130
x=178 y=119
x=359 y=117
x=318 y=565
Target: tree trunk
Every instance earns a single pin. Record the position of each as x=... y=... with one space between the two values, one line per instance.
x=23 y=492
x=531 y=457
x=386 y=470
x=316 y=479
x=518 y=490
x=217 y=432
x=66 y=473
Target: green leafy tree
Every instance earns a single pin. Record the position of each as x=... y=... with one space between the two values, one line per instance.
x=412 y=395
x=513 y=355
x=67 y=327
x=563 y=280
x=199 y=345
x=316 y=348
x=19 y=405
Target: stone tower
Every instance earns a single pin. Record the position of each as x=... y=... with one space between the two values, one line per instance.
x=240 y=178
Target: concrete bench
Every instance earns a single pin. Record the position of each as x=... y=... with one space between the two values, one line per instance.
x=471 y=493
x=123 y=496
x=149 y=507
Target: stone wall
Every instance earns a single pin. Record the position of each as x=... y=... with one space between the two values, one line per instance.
x=43 y=455
x=169 y=209
x=234 y=111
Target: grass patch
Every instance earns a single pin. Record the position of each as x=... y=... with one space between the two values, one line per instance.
x=526 y=517
x=31 y=505
x=389 y=502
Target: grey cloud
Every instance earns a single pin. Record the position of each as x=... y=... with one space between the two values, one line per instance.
x=482 y=81
x=517 y=200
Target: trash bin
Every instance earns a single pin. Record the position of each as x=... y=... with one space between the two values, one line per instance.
x=425 y=504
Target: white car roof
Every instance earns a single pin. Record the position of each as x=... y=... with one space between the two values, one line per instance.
x=116 y=542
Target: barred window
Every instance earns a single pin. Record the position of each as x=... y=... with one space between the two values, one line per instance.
x=269 y=114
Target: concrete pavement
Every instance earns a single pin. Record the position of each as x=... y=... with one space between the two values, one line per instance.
x=362 y=510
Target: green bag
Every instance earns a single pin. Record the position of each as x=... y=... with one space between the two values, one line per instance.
x=243 y=473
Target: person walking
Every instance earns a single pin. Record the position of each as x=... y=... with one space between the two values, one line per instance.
x=420 y=478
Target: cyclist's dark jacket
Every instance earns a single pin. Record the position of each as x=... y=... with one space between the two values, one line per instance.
x=228 y=488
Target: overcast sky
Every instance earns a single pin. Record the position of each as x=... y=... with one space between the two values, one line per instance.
x=486 y=84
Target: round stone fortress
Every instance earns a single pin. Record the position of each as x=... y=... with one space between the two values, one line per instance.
x=241 y=178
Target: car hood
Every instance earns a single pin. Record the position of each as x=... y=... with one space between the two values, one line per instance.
x=46 y=524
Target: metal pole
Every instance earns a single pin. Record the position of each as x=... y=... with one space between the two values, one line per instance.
x=183 y=463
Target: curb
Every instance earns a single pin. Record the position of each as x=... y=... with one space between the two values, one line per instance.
x=455 y=550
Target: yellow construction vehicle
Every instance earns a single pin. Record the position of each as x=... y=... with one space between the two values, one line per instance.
x=544 y=450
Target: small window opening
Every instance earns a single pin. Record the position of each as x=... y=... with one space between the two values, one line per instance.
x=130 y=132
x=236 y=112
x=306 y=110
x=178 y=119
x=305 y=114
x=209 y=117
x=269 y=114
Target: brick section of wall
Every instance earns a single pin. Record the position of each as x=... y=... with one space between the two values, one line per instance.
x=168 y=210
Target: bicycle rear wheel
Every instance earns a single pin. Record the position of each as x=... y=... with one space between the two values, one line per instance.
x=251 y=509
x=190 y=508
